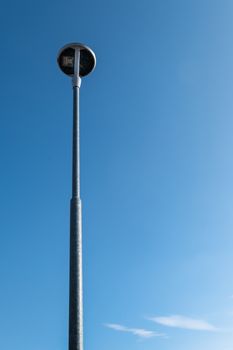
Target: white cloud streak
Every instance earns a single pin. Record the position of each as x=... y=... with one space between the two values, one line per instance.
x=183 y=322
x=141 y=333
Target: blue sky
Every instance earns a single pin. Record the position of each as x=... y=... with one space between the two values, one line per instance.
x=156 y=174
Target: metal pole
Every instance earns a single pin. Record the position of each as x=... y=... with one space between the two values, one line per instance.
x=76 y=60
x=76 y=288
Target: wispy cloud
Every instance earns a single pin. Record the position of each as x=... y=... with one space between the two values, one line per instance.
x=178 y=321
x=140 y=332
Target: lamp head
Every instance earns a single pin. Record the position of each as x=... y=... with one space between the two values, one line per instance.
x=66 y=59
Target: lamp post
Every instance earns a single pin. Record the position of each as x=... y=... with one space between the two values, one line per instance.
x=76 y=60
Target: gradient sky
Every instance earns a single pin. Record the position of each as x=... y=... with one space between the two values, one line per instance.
x=157 y=174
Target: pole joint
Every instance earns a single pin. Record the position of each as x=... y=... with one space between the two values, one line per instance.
x=76 y=81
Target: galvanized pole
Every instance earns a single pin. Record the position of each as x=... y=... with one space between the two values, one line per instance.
x=76 y=60
x=76 y=284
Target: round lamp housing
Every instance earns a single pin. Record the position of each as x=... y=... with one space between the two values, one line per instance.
x=66 y=59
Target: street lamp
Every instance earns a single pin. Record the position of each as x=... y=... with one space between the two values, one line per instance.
x=76 y=60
